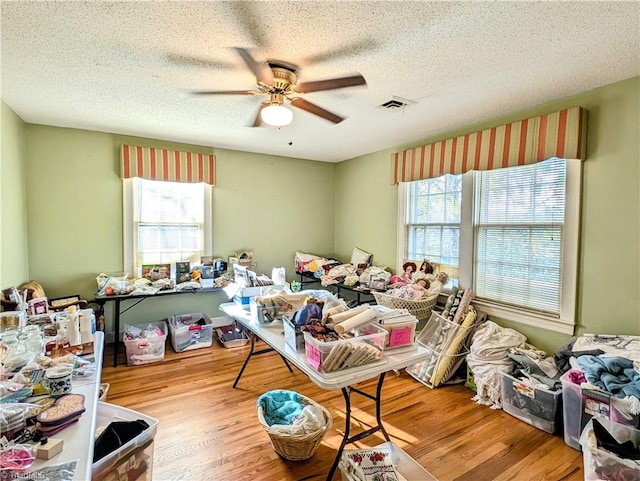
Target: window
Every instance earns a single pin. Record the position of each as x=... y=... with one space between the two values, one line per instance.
x=165 y=222
x=433 y=222
x=511 y=234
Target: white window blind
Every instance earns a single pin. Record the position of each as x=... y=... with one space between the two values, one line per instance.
x=168 y=222
x=433 y=221
x=519 y=228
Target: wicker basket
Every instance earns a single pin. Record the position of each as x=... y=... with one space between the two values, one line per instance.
x=420 y=308
x=297 y=447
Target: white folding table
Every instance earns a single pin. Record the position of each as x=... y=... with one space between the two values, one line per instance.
x=343 y=380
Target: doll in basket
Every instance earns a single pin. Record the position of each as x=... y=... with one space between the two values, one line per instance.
x=418 y=288
x=405 y=278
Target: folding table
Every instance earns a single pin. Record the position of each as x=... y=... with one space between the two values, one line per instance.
x=343 y=380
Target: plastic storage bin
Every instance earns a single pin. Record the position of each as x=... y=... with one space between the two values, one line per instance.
x=405 y=465
x=580 y=405
x=345 y=353
x=229 y=333
x=401 y=334
x=146 y=350
x=190 y=331
x=533 y=405
x=293 y=336
x=133 y=460
x=598 y=460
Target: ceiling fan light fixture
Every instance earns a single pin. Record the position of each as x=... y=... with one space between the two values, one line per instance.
x=276 y=115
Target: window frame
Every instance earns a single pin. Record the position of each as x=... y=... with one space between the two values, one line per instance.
x=565 y=323
x=128 y=224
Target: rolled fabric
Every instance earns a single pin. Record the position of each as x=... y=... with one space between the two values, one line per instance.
x=462 y=308
x=368 y=315
x=449 y=356
x=343 y=316
x=333 y=311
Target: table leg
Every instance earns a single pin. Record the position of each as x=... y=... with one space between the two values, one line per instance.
x=116 y=331
x=346 y=439
x=286 y=363
x=253 y=352
x=252 y=337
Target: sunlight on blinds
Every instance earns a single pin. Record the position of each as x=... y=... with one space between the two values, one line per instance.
x=519 y=235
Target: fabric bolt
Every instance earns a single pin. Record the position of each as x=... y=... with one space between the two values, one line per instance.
x=449 y=303
x=613 y=374
x=462 y=308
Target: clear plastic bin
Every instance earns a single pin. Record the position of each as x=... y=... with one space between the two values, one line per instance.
x=146 y=350
x=401 y=334
x=597 y=459
x=345 y=353
x=533 y=405
x=133 y=460
x=580 y=405
x=190 y=331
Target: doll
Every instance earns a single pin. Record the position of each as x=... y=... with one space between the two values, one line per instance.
x=415 y=290
x=426 y=267
x=439 y=280
x=405 y=278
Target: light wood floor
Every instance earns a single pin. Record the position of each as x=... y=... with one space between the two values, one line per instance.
x=209 y=431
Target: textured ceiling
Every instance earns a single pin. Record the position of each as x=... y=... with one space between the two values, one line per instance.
x=124 y=67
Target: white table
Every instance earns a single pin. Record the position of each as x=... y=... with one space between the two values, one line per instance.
x=79 y=437
x=344 y=380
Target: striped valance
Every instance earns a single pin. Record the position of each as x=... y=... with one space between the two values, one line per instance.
x=169 y=165
x=559 y=134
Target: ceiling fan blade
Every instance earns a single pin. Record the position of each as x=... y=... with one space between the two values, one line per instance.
x=316 y=110
x=249 y=18
x=260 y=69
x=194 y=61
x=365 y=46
x=223 y=92
x=330 y=84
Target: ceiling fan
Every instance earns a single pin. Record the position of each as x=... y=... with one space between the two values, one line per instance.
x=278 y=80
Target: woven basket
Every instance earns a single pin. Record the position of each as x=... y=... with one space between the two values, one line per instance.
x=297 y=447
x=420 y=308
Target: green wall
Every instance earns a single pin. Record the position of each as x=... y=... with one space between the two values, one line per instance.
x=14 y=259
x=269 y=205
x=609 y=269
x=276 y=205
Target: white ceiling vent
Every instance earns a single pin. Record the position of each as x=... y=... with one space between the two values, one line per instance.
x=396 y=103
